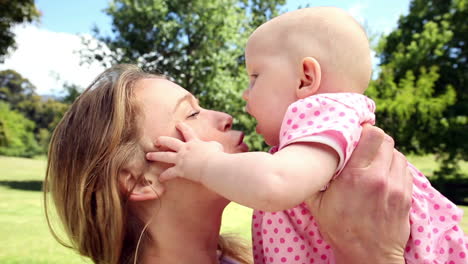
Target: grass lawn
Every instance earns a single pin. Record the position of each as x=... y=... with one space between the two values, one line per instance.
x=464 y=221
x=25 y=237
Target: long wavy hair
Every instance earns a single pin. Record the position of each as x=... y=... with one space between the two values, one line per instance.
x=95 y=139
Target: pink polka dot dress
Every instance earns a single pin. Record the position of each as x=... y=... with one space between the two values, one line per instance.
x=292 y=236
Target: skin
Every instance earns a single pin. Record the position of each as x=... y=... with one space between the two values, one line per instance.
x=270 y=76
x=265 y=96
x=281 y=72
x=191 y=214
x=311 y=60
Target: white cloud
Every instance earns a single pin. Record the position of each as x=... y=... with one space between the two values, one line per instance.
x=42 y=54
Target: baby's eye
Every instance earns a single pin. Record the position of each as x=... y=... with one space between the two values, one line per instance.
x=253 y=77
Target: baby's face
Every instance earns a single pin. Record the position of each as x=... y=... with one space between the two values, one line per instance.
x=273 y=80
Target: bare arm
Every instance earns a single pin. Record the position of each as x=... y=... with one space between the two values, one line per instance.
x=255 y=179
x=374 y=224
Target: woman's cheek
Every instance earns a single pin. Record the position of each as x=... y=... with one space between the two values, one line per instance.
x=199 y=131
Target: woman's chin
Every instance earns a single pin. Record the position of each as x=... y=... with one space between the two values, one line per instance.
x=222 y=201
x=243 y=147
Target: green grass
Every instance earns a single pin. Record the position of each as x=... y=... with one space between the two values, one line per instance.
x=19 y=169
x=464 y=221
x=427 y=164
x=23 y=229
x=25 y=237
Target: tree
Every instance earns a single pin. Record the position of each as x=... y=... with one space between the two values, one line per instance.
x=198 y=44
x=46 y=113
x=14 y=88
x=421 y=90
x=16 y=134
x=19 y=94
x=71 y=92
x=13 y=13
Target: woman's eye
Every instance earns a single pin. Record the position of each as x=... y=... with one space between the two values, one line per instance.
x=194 y=114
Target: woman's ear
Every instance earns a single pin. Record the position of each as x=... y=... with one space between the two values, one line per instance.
x=311 y=75
x=141 y=187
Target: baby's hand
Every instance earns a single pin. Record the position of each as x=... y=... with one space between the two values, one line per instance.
x=189 y=157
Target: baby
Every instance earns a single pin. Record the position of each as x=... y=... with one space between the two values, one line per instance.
x=308 y=70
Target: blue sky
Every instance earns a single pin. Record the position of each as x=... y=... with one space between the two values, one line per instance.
x=80 y=16
x=73 y=16
x=47 y=52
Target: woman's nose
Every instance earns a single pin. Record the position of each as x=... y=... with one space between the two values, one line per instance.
x=226 y=122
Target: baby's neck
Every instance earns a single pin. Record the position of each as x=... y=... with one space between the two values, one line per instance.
x=340 y=86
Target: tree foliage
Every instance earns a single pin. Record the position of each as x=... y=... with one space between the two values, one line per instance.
x=18 y=97
x=71 y=92
x=13 y=12
x=14 y=88
x=199 y=44
x=421 y=90
x=16 y=134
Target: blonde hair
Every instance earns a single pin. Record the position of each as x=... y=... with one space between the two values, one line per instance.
x=97 y=138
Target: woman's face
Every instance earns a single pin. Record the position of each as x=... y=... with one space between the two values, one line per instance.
x=165 y=103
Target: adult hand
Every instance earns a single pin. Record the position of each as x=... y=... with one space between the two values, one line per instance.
x=364 y=213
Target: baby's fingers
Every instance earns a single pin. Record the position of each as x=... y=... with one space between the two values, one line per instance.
x=166 y=157
x=169 y=142
x=187 y=132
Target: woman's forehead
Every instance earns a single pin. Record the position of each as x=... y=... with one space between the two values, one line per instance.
x=161 y=91
x=158 y=99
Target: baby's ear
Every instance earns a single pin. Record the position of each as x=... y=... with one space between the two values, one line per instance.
x=311 y=75
x=140 y=187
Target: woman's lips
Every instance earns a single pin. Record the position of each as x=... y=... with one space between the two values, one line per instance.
x=241 y=138
x=242 y=145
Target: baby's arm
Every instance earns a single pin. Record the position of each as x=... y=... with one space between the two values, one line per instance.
x=255 y=179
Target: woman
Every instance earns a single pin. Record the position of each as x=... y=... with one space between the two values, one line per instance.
x=114 y=210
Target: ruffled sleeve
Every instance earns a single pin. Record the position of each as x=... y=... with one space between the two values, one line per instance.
x=331 y=119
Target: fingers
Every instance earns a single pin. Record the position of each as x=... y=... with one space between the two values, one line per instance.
x=170 y=143
x=402 y=178
x=187 y=132
x=368 y=147
x=384 y=157
x=166 y=157
x=398 y=169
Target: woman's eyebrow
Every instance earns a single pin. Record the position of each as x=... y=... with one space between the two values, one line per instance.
x=187 y=97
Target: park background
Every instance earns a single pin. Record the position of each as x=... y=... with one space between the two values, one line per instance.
x=50 y=50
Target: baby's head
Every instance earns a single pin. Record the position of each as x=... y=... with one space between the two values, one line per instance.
x=301 y=53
